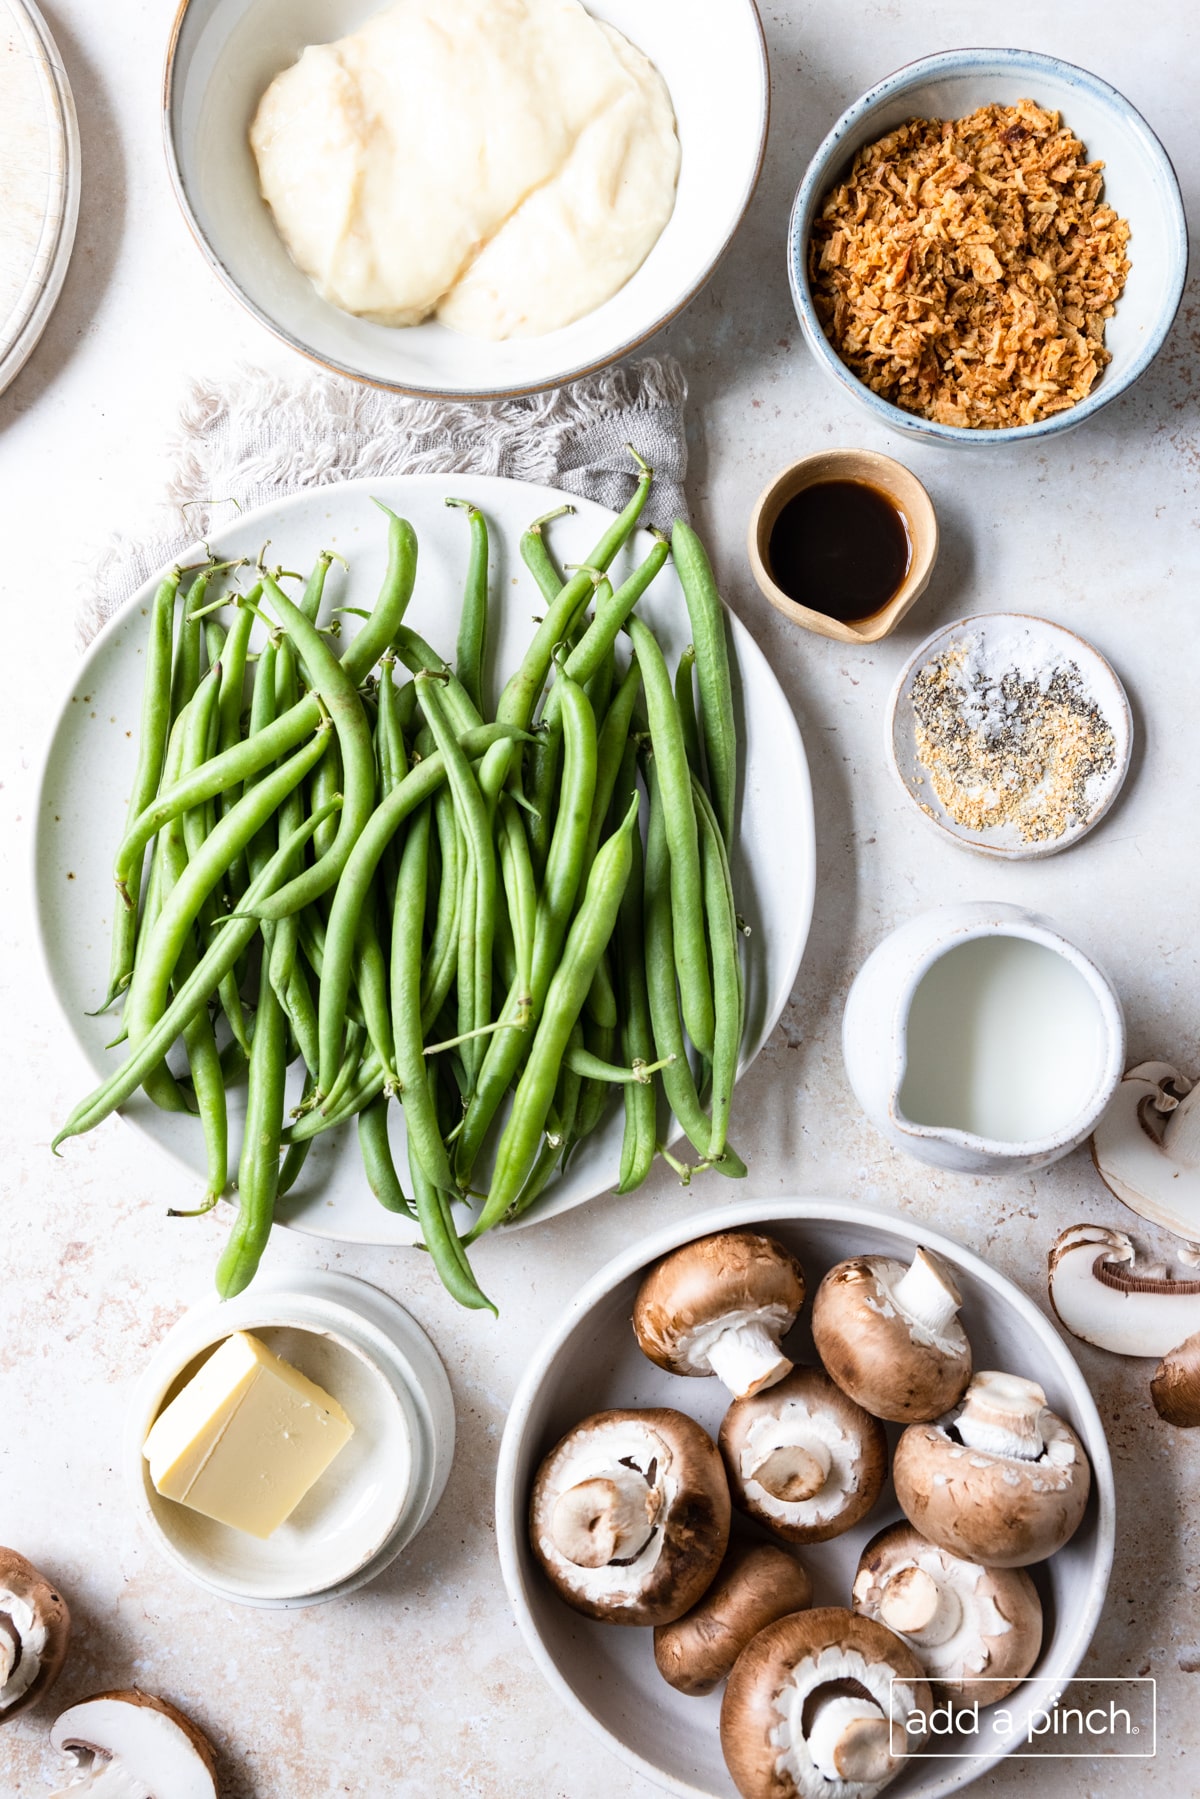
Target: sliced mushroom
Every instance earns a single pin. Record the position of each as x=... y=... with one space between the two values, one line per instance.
x=816 y=1708
x=1103 y=1296
x=803 y=1458
x=1175 y=1385
x=890 y=1335
x=35 y=1631
x=975 y=1631
x=1146 y=1147
x=758 y=1583
x=629 y=1515
x=720 y=1305
x=1001 y=1480
x=128 y=1745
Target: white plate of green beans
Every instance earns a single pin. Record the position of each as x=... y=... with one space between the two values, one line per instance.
x=92 y=761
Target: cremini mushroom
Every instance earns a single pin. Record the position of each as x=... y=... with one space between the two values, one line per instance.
x=890 y=1335
x=975 y=1631
x=758 y=1583
x=1001 y=1480
x=816 y=1708
x=35 y=1630
x=128 y=1745
x=803 y=1458
x=1105 y=1296
x=1146 y=1146
x=1175 y=1385
x=629 y=1515
x=720 y=1305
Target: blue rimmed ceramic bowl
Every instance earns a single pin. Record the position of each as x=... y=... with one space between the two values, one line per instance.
x=1139 y=182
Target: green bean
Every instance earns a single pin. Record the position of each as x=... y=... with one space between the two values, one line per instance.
x=170 y=859
x=310 y=604
x=535 y=554
x=478 y=921
x=523 y=689
x=600 y=685
x=366 y=1087
x=214 y=641
x=340 y=698
x=378 y=1164
x=599 y=1043
x=602 y=999
x=677 y=1079
x=417 y=656
x=147 y=992
x=610 y=748
x=371 y=979
x=392 y=753
x=348 y=1073
x=194 y=992
x=297 y=1001
x=710 y=637
x=639 y=1143
x=153 y=731
x=258 y=1170
x=185 y=669
x=589 y=933
x=593 y=1067
x=685 y=702
x=441 y=963
x=521 y=895
x=294 y=1159
x=243 y=759
x=420 y=1113
x=472 y=624
x=727 y=974
x=560 y=887
x=440 y=1233
x=541 y=782
x=687 y=907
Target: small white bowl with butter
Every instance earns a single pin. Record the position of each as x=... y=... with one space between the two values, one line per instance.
x=224 y=55
x=241 y=1439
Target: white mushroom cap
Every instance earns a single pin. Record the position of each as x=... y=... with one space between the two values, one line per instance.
x=803 y=1458
x=1146 y=1146
x=128 y=1745
x=890 y=1335
x=976 y=1631
x=720 y=1305
x=629 y=1515
x=1001 y=1480
x=758 y=1583
x=35 y=1632
x=1103 y=1296
x=816 y=1707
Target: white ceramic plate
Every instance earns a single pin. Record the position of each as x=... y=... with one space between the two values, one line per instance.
x=1036 y=635
x=39 y=181
x=224 y=53
x=89 y=761
x=589 y=1361
x=362 y=1347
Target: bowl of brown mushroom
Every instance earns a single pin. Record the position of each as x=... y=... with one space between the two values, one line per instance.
x=825 y=1472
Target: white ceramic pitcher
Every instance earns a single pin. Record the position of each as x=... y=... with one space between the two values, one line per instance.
x=880 y=1038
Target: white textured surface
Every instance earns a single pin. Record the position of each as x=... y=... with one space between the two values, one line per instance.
x=419 y=1687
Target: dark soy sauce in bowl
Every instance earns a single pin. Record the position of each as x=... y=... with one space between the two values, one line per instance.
x=841 y=548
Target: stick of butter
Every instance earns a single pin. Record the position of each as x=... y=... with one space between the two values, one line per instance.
x=246 y=1438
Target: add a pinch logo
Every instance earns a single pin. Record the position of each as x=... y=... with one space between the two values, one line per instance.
x=1110 y=1716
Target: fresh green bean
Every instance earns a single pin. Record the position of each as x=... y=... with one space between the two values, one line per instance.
x=727 y=974
x=639 y=1143
x=441 y=963
x=677 y=1079
x=421 y=659
x=439 y=1231
x=170 y=859
x=674 y=776
x=589 y=933
x=685 y=702
x=535 y=554
x=710 y=637
x=521 y=895
x=378 y=1163
x=310 y=603
x=420 y=1112
x=153 y=731
x=189 y=635
x=258 y=1170
x=472 y=624
x=371 y=979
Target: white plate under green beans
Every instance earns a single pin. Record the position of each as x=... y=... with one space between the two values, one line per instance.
x=389 y=884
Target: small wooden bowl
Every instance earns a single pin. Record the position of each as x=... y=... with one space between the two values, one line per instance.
x=906 y=494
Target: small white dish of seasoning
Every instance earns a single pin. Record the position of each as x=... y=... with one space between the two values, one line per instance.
x=351 y=1356
x=1011 y=735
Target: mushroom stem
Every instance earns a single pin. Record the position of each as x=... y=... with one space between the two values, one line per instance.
x=1002 y=1416
x=917 y=1606
x=106 y=1778
x=605 y=1519
x=794 y=1471
x=10 y=1650
x=748 y=1358
x=850 y=1739
x=926 y=1294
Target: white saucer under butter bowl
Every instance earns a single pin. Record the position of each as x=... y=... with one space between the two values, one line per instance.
x=365 y=1350
x=589 y=1361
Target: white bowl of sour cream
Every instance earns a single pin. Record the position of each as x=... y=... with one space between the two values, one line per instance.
x=223 y=56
